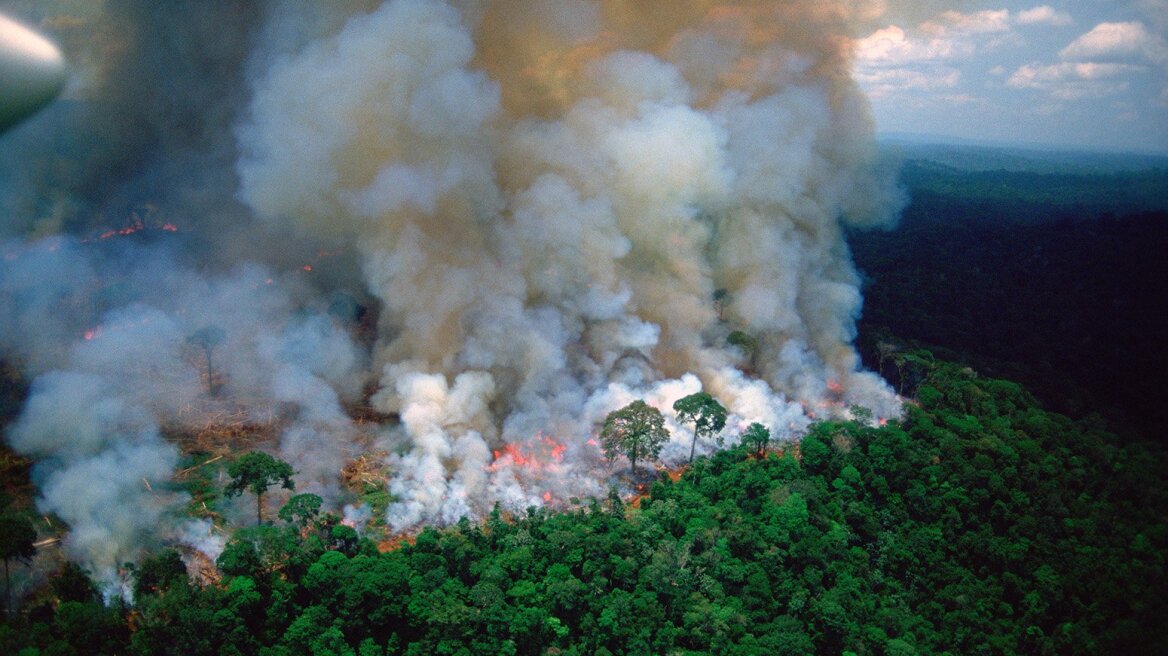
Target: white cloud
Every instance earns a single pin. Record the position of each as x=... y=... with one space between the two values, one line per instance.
x=980 y=22
x=884 y=82
x=891 y=60
x=891 y=45
x=962 y=99
x=1043 y=15
x=1033 y=74
x=1118 y=42
x=928 y=58
x=886 y=44
x=1073 y=80
x=950 y=34
x=1106 y=62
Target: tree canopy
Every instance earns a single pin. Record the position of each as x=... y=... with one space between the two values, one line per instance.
x=636 y=431
x=704 y=412
x=301 y=509
x=255 y=472
x=756 y=436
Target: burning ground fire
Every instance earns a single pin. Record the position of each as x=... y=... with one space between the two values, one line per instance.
x=135 y=228
x=540 y=458
x=532 y=214
x=539 y=453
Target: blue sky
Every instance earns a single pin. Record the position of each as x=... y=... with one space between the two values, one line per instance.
x=1088 y=74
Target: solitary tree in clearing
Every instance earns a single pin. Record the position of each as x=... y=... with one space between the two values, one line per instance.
x=256 y=472
x=704 y=412
x=207 y=338
x=636 y=430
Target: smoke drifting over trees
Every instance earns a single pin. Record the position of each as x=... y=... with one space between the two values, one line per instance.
x=540 y=200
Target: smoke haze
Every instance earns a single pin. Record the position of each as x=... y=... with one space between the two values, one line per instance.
x=546 y=210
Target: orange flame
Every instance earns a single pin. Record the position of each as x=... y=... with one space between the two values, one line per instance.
x=320 y=255
x=539 y=458
x=541 y=451
x=128 y=230
x=135 y=226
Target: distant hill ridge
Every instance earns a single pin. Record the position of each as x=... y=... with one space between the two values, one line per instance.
x=1025 y=158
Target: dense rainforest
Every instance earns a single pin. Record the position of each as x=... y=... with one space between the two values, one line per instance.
x=994 y=518
x=980 y=524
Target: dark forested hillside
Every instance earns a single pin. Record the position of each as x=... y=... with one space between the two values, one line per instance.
x=1053 y=279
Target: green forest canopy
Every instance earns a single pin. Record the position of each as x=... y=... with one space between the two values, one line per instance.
x=980 y=524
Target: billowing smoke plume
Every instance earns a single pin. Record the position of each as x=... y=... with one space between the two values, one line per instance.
x=548 y=196
x=550 y=208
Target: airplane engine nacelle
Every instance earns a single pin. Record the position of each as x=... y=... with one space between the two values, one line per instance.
x=32 y=72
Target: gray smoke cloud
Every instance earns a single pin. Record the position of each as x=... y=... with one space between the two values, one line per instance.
x=112 y=378
x=548 y=209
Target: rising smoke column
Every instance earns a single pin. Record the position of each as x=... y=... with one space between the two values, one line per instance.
x=546 y=197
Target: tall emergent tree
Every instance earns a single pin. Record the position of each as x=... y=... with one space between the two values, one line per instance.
x=636 y=430
x=704 y=412
x=256 y=472
x=17 y=536
x=207 y=338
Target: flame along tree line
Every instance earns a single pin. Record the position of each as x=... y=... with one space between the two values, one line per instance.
x=636 y=431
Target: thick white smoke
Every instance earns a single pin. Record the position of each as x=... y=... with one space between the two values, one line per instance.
x=549 y=208
x=546 y=213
